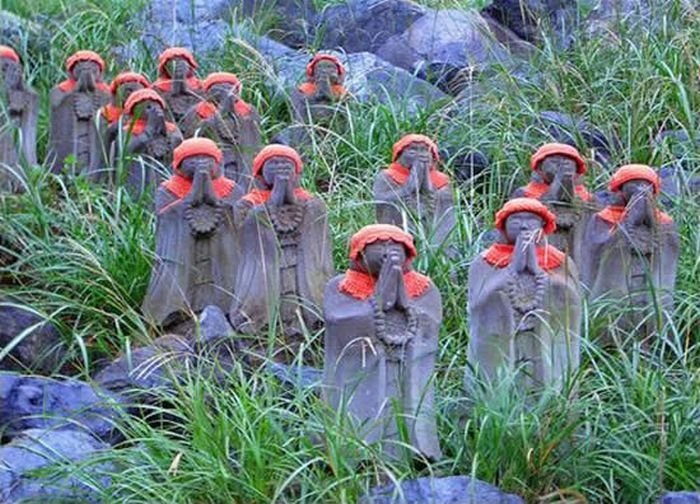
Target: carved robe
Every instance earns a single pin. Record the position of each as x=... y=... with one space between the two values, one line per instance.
x=379 y=365
x=179 y=103
x=18 y=123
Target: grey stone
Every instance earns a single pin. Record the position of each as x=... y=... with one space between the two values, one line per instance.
x=296 y=376
x=677 y=181
x=449 y=490
x=37 y=449
x=14 y=30
x=610 y=15
x=467 y=164
x=32 y=402
x=680 y=498
x=293 y=21
x=528 y=18
x=37 y=344
x=213 y=325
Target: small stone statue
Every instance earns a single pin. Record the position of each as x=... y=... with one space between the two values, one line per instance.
x=285 y=245
x=121 y=88
x=524 y=302
x=228 y=120
x=556 y=181
x=381 y=342
x=630 y=251
x=75 y=103
x=313 y=100
x=150 y=139
x=195 y=236
x=20 y=112
x=177 y=83
x=414 y=192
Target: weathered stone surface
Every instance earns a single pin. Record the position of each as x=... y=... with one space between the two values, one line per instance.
x=14 y=29
x=677 y=182
x=680 y=498
x=364 y=25
x=467 y=164
x=294 y=21
x=32 y=402
x=38 y=346
x=298 y=377
x=527 y=18
x=213 y=325
x=608 y=15
x=450 y=490
x=36 y=449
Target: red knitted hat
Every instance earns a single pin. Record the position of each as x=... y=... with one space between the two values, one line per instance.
x=222 y=78
x=324 y=57
x=530 y=205
x=406 y=140
x=558 y=149
x=9 y=53
x=85 y=56
x=172 y=53
x=195 y=147
x=376 y=232
x=126 y=77
x=274 y=150
x=141 y=96
x=634 y=172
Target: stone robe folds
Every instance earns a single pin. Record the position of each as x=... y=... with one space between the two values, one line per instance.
x=394 y=380
x=18 y=123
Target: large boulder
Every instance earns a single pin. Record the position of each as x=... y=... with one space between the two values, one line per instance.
x=680 y=498
x=292 y=21
x=529 y=18
x=36 y=449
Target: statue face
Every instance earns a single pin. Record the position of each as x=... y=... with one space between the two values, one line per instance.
x=377 y=253
x=178 y=68
x=218 y=92
x=637 y=188
x=86 y=67
x=147 y=108
x=522 y=222
x=551 y=166
x=276 y=166
x=326 y=70
x=193 y=164
x=11 y=73
x=415 y=152
x=126 y=89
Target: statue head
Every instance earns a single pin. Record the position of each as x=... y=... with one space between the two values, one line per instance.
x=85 y=62
x=555 y=159
x=524 y=215
x=277 y=160
x=219 y=85
x=11 y=68
x=125 y=84
x=144 y=103
x=195 y=155
x=635 y=180
x=325 y=67
x=415 y=148
x=176 y=63
x=372 y=246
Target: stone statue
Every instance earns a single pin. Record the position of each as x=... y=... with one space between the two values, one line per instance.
x=630 y=252
x=556 y=181
x=413 y=192
x=285 y=247
x=121 y=88
x=177 y=83
x=75 y=102
x=228 y=120
x=195 y=236
x=381 y=342
x=20 y=110
x=313 y=100
x=149 y=140
x=524 y=302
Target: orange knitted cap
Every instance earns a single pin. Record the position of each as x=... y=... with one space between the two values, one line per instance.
x=274 y=150
x=9 y=53
x=85 y=56
x=222 y=78
x=324 y=57
x=376 y=232
x=634 y=172
x=530 y=205
x=195 y=147
x=558 y=149
x=141 y=96
x=407 y=140
x=126 y=77
x=172 y=53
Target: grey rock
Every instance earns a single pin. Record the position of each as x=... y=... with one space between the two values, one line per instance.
x=678 y=182
x=187 y=11
x=293 y=21
x=450 y=490
x=298 y=377
x=610 y=15
x=37 y=449
x=680 y=498
x=467 y=164
x=32 y=402
x=528 y=18
x=364 y=25
x=15 y=30
x=37 y=344
x=213 y=325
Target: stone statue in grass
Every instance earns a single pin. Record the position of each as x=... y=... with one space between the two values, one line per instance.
x=76 y=142
x=120 y=88
x=196 y=255
x=524 y=302
x=381 y=342
x=557 y=170
x=177 y=82
x=314 y=100
x=20 y=111
x=231 y=122
x=412 y=192
x=630 y=255
x=285 y=247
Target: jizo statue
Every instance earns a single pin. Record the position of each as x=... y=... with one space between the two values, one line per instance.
x=285 y=245
x=413 y=193
x=18 y=123
x=75 y=102
x=231 y=122
x=195 y=236
x=630 y=254
x=314 y=99
x=557 y=170
x=148 y=140
x=381 y=342
x=121 y=88
x=524 y=302
x=177 y=82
